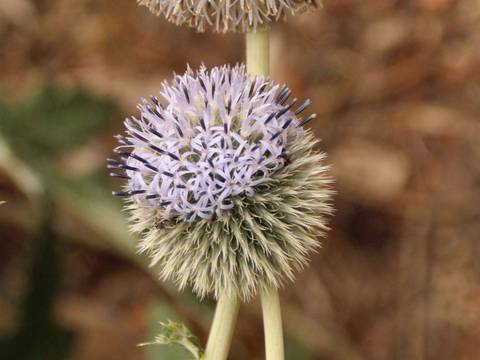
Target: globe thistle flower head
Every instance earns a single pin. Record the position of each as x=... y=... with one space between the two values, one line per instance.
x=226 y=16
x=222 y=181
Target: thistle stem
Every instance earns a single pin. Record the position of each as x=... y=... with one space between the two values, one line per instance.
x=258 y=52
x=221 y=332
x=272 y=324
x=258 y=63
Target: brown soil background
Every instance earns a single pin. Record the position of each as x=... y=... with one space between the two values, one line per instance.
x=396 y=85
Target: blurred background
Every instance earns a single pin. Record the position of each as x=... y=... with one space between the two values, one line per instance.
x=396 y=85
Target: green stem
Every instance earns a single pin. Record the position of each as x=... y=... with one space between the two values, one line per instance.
x=272 y=324
x=258 y=63
x=223 y=325
x=258 y=52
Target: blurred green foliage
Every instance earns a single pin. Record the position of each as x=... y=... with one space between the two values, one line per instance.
x=36 y=336
x=53 y=120
x=37 y=130
x=50 y=123
x=296 y=350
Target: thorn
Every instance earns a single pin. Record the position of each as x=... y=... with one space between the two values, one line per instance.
x=307 y=120
x=272 y=115
x=152 y=196
x=120 y=176
x=305 y=105
x=287 y=123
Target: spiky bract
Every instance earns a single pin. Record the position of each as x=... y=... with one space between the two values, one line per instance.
x=223 y=183
x=226 y=16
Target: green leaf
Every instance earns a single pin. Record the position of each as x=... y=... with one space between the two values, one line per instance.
x=53 y=120
x=37 y=335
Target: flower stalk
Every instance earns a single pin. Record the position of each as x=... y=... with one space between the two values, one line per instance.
x=258 y=63
x=223 y=325
x=272 y=324
x=258 y=52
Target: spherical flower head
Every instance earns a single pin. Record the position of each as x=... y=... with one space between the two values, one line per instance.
x=226 y=16
x=223 y=183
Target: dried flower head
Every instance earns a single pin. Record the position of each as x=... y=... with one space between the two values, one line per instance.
x=222 y=182
x=225 y=16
